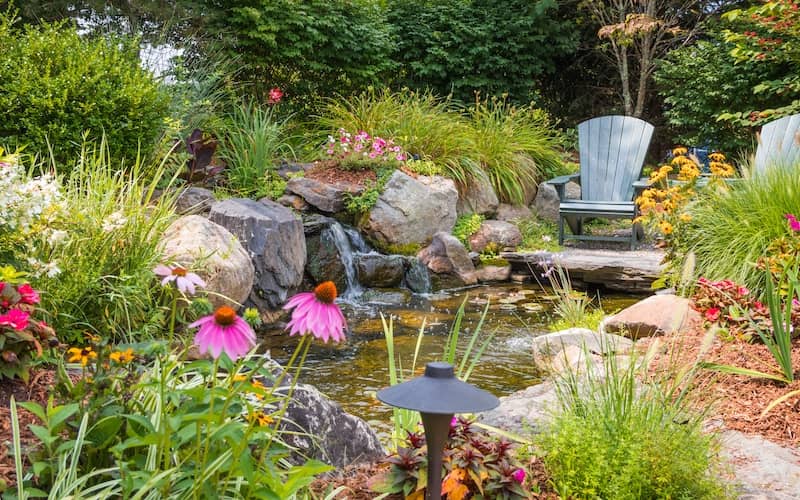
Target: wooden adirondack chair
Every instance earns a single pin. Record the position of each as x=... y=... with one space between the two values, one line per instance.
x=778 y=144
x=612 y=151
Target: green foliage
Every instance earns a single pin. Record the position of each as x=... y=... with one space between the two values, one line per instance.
x=466 y=226
x=730 y=228
x=424 y=167
x=461 y=47
x=572 y=308
x=56 y=85
x=310 y=48
x=702 y=81
x=362 y=203
x=516 y=147
x=111 y=232
x=428 y=128
x=617 y=437
x=154 y=426
x=253 y=139
x=538 y=234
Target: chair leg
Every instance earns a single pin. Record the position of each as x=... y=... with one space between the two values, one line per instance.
x=634 y=236
x=560 y=229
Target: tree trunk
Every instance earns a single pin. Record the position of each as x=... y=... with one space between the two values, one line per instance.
x=624 y=74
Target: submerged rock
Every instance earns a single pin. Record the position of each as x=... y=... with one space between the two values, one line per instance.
x=380 y=271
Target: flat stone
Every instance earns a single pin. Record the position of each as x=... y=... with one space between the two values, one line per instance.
x=492 y=273
x=323 y=196
x=765 y=469
x=627 y=271
x=597 y=343
x=524 y=411
x=656 y=315
x=294 y=202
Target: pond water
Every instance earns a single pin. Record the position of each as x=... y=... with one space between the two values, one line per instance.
x=350 y=373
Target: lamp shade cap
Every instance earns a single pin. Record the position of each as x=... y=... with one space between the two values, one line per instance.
x=438 y=392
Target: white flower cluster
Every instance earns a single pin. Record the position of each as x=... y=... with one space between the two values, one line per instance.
x=24 y=201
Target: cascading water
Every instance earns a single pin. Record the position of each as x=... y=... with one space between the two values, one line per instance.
x=343 y=240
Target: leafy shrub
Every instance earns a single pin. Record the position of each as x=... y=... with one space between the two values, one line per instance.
x=475 y=462
x=455 y=48
x=614 y=437
x=424 y=167
x=466 y=226
x=253 y=139
x=516 y=147
x=55 y=85
x=361 y=203
x=109 y=247
x=308 y=49
x=538 y=234
x=730 y=229
x=21 y=336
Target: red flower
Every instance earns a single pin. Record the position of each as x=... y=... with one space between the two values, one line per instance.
x=712 y=314
x=275 y=96
x=16 y=319
x=27 y=294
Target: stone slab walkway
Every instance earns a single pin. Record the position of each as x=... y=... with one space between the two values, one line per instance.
x=626 y=271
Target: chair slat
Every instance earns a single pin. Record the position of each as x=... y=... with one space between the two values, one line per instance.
x=779 y=144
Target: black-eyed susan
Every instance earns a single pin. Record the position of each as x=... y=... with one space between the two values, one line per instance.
x=81 y=355
x=122 y=357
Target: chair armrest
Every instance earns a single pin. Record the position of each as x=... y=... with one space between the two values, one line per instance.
x=560 y=182
x=639 y=186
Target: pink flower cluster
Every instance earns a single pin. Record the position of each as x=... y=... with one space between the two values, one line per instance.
x=12 y=302
x=794 y=224
x=363 y=146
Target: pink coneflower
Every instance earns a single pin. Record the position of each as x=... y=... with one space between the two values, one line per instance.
x=27 y=294
x=16 y=319
x=224 y=331
x=316 y=313
x=184 y=280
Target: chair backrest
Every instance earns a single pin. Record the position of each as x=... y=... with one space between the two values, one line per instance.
x=778 y=144
x=612 y=151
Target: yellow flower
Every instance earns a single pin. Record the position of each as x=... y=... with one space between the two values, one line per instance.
x=261 y=418
x=665 y=227
x=685 y=217
x=680 y=150
x=82 y=356
x=122 y=357
x=716 y=156
x=255 y=384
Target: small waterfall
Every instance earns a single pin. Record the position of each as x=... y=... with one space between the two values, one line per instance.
x=356 y=240
x=343 y=238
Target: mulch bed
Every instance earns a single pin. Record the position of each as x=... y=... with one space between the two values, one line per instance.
x=739 y=400
x=329 y=173
x=38 y=390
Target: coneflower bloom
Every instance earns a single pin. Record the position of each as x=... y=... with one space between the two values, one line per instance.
x=224 y=331
x=317 y=313
x=184 y=280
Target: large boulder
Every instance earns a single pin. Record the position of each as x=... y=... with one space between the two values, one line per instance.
x=380 y=271
x=324 y=259
x=509 y=213
x=656 y=315
x=224 y=264
x=318 y=428
x=495 y=233
x=273 y=237
x=547 y=200
x=325 y=197
x=447 y=255
x=410 y=211
x=478 y=197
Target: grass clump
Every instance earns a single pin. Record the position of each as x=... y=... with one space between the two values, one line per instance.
x=466 y=226
x=113 y=225
x=538 y=234
x=617 y=437
x=730 y=228
x=252 y=140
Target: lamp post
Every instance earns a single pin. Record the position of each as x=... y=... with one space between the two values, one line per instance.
x=437 y=395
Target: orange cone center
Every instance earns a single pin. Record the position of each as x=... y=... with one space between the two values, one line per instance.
x=326 y=292
x=224 y=316
x=179 y=271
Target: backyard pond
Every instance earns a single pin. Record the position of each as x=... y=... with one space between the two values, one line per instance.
x=351 y=372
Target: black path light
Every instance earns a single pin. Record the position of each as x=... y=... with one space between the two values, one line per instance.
x=437 y=396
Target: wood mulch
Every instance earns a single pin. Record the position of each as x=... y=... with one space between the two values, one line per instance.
x=736 y=399
x=38 y=390
x=329 y=173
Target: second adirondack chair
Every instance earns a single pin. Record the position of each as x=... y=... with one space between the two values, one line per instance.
x=778 y=144
x=612 y=152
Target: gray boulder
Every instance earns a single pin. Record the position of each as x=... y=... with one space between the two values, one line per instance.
x=325 y=197
x=509 y=213
x=499 y=234
x=410 y=211
x=194 y=200
x=547 y=200
x=197 y=243
x=446 y=255
x=478 y=197
x=416 y=277
x=318 y=428
x=379 y=271
x=273 y=237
